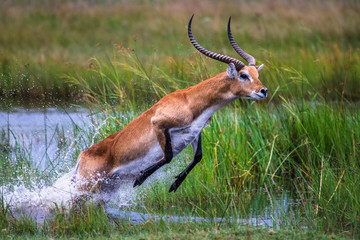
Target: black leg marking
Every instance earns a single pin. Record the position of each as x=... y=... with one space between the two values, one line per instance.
x=197 y=157
x=167 y=159
x=168 y=147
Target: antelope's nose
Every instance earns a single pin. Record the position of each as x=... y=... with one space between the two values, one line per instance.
x=264 y=91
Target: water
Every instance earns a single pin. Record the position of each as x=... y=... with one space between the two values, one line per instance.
x=40 y=130
x=139 y=218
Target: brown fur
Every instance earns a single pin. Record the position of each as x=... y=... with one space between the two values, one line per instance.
x=175 y=110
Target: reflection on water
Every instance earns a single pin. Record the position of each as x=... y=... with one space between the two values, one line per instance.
x=268 y=216
x=136 y=217
x=39 y=131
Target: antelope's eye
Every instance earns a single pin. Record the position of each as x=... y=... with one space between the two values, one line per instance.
x=243 y=76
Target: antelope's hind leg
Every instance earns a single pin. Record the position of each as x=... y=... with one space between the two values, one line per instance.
x=197 y=157
x=168 y=155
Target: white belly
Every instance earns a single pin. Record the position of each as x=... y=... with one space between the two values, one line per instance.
x=132 y=170
x=183 y=137
x=180 y=138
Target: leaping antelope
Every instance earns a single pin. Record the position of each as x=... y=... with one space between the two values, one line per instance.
x=155 y=137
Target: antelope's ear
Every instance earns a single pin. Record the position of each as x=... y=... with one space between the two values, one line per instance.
x=258 y=68
x=231 y=71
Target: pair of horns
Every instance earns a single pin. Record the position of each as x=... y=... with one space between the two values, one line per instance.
x=223 y=58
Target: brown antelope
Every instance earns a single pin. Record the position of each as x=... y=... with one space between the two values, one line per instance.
x=167 y=128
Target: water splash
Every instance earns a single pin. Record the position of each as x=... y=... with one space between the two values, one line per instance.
x=37 y=202
x=30 y=193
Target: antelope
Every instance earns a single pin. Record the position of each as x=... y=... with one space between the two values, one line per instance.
x=155 y=137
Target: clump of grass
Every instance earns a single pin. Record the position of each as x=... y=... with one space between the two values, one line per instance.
x=4 y=214
x=16 y=166
x=89 y=219
x=11 y=224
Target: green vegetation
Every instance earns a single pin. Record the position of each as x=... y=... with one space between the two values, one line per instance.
x=92 y=222
x=300 y=146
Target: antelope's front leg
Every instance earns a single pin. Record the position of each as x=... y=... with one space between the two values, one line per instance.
x=168 y=155
x=197 y=157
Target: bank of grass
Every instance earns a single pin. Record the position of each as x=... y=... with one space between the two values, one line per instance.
x=42 y=40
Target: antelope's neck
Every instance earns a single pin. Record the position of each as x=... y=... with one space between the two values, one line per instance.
x=210 y=95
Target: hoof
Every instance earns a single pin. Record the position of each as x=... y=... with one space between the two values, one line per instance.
x=137 y=183
x=174 y=186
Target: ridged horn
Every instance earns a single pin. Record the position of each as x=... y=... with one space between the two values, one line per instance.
x=250 y=59
x=222 y=58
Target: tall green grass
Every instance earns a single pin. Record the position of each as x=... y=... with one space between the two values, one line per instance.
x=255 y=152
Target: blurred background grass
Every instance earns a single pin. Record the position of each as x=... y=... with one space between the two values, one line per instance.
x=40 y=41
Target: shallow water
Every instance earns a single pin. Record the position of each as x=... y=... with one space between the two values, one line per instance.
x=138 y=218
x=38 y=130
